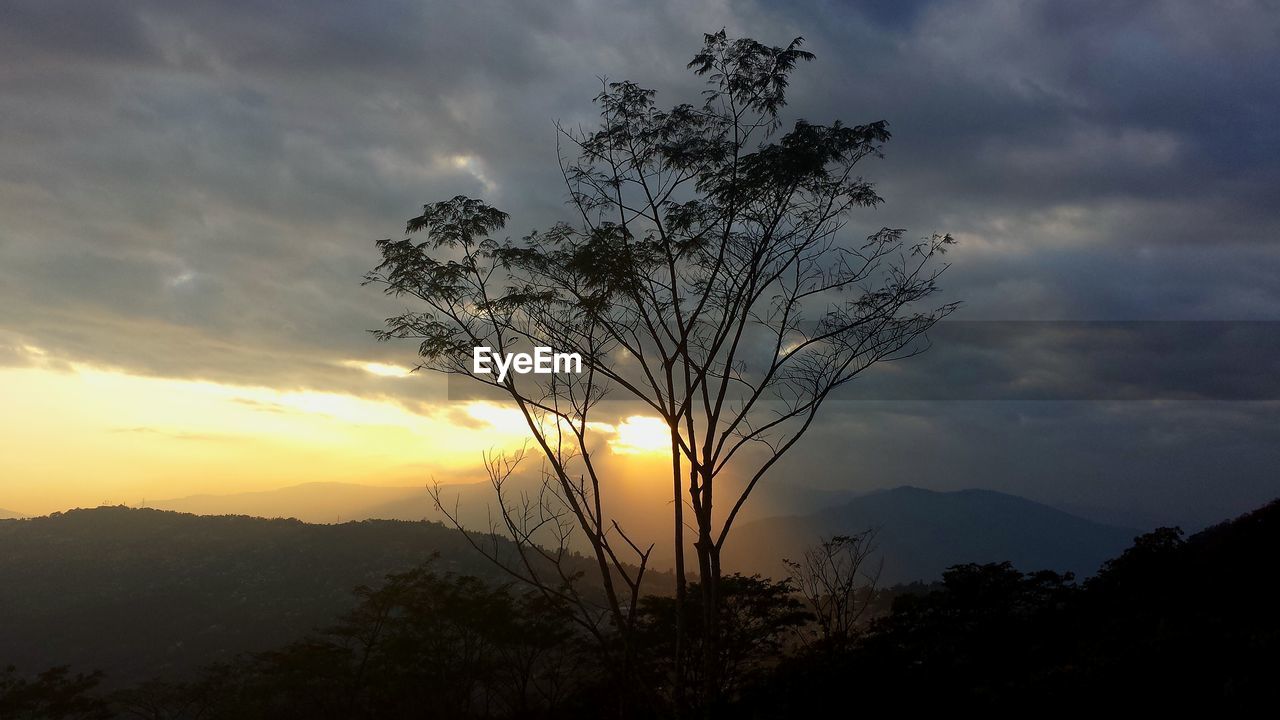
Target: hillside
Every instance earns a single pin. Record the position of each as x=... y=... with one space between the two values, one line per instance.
x=922 y=532
x=320 y=502
x=144 y=592
x=1169 y=626
x=118 y=588
x=328 y=502
x=9 y=514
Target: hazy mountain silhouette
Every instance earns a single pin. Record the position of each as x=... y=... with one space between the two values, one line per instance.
x=329 y=502
x=923 y=532
x=10 y=515
x=117 y=588
x=145 y=592
x=987 y=636
x=319 y=502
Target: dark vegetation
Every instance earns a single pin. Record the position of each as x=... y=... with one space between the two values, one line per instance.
x=118 y=588
x=1171 y=622
x=146 y=593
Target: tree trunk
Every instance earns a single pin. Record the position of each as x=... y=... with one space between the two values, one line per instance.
x=678 y=690
x=709 y=571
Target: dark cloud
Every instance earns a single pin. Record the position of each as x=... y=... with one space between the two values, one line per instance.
x=191 y=190
x=1139 y=464
x=1086 y=361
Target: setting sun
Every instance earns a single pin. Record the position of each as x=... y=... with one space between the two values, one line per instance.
x=640 y=434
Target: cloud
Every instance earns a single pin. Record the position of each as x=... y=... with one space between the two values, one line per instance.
x=192 y=190
x=177 y=435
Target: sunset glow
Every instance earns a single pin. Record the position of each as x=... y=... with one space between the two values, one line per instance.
x=83 y=436
x=621 y=361
x=379 y=369
x=640 y=434
x=79 y=435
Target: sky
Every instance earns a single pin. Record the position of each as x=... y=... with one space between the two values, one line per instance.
x=190 y=193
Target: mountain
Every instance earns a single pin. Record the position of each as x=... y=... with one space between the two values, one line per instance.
x=148 y=592
x=334 y=502
x=143 y=592
x=1167 y=625
x=922 y=532
x=321 y=502
x=329 y=502
x=10 y=515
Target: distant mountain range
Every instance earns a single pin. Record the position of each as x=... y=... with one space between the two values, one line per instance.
x=9 y=514
x=144 y=592
x=320 y=502
x=331 y=502
x=147 y=592
x=922 y=532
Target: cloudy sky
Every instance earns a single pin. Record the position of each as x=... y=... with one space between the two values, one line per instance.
x=190 y=192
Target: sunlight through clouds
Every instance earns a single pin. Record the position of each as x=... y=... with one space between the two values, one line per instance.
x=379 y=369
x=640 y=435
x=85 y=435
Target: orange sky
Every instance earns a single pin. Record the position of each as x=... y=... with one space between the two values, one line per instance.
x=76 y=435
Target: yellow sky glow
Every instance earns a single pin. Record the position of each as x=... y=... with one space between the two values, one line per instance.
x=379 y=369
x=641 y=434
x=92 y=436
x=89 y=436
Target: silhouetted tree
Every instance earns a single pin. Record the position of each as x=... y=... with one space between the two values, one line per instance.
x=55 y=694
x=1173 y=623
x=422 y=644
x=836 y=579
x=705 y=276
x=988 y=636
x=1196 y=614
x=162 y=700
x=756 y=618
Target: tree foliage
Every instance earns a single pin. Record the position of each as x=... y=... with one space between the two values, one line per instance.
x=421 y=643
x=55 y=694
x=1172 y=624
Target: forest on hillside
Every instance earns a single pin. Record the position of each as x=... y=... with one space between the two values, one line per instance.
x=1172 y=622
